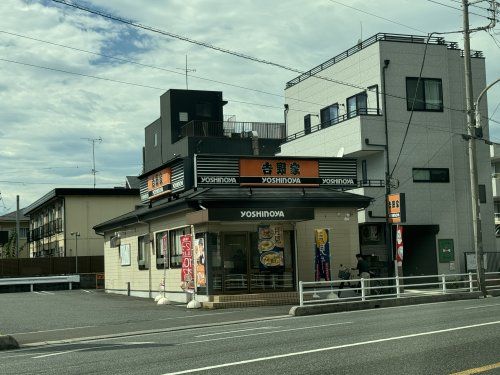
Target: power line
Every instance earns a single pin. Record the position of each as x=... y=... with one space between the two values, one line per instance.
x=126 y=83
x=220 y=49
x=140 y=64
x=197 y=42
x=412 y=105
x=377 y=16
x=447 y=6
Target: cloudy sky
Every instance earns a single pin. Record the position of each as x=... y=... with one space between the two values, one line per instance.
x=69 y=76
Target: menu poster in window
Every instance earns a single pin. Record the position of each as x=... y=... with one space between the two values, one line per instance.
x=187 y=261
x=322 y=254
x=271 y=246
x=199 y=262
x=125 y=254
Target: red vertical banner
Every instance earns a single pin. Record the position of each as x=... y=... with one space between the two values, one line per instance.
x=187 y=260
x=399 y=245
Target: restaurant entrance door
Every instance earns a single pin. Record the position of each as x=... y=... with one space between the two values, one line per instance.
x=240 y=269
x=235 y=250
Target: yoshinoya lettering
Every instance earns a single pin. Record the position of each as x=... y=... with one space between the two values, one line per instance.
x=281 y=180
x=262 y=214
x=217 y=180
x=178 y=184
x=338 y=181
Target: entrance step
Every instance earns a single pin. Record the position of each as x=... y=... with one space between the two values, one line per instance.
x=249 y=300
x=247 y=303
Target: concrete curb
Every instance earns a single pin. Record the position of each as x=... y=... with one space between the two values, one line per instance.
x=8 y=342
x=326 y=308
x=494 y=293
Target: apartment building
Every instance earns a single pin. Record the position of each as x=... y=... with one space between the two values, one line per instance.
x=60 y=222
x=7 y=231
x=359 y=103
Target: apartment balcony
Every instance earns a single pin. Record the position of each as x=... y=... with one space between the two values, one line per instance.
x=49 y=229
x=230 y=129
x=357 y=134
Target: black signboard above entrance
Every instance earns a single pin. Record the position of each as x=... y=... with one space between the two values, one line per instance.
x=260 y=214
x=275 y=171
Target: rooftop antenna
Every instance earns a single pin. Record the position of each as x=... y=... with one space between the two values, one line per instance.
x=186 y=70
x=93 y=140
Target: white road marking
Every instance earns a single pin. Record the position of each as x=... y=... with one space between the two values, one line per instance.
x=237 y=330
x=90 y=348
x=50 y=330
x=264 y=333
x=44 y=292
x=482 y=306
x=262 y=359
x=86 y=291
x=198 y=315
x=37 y=292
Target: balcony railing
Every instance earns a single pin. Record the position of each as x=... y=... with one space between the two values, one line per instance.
x=334 y=121
x=232 y=129
x=372 y=40
x=48 y=229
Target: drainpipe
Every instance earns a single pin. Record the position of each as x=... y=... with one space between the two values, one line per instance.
x=286 y=120
x=387 y=170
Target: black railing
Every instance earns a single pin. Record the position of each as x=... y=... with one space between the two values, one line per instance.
x=232 y=129
x=334 y=121
x=372 y=40
x=48 y=229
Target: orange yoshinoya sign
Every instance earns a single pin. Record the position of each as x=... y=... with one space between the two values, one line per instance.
x=159 y=183
x=396 y=208
x=279 y=172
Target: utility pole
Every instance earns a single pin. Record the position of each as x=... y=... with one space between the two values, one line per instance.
x=93 y=140
x=17 y=226
x=472 y=133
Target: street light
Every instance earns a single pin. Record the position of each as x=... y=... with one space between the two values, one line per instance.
x=76 y=234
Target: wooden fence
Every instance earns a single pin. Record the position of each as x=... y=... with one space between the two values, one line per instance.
x=23 y=267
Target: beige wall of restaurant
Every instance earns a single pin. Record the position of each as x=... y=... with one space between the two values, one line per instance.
x=344 y=240
x=141 y=280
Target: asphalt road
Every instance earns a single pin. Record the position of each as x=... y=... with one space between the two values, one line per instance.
x=441 y=338
x=63 y=315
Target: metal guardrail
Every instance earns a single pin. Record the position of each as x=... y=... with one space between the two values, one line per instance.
x=40 y=280
x=492 y=281
x=314 y=292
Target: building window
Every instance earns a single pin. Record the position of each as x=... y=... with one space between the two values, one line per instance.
x=431 y=175
x=175 y=246
x=23 y=232
x=357 y=105
x=169 y=243
x=373 y=98
x=143 y=252
x=329 y=115
x=307 y=124
x=482 y=193
x=161 y=249
x=364 y=173
x=428 y=95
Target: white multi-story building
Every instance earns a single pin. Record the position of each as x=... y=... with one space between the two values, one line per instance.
x=339 y=108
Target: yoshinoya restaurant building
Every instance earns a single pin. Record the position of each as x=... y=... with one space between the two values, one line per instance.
x=228 y=224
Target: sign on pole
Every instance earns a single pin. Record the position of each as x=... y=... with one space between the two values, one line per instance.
x=396 y=208
x=399 y=245
x=187 y=261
